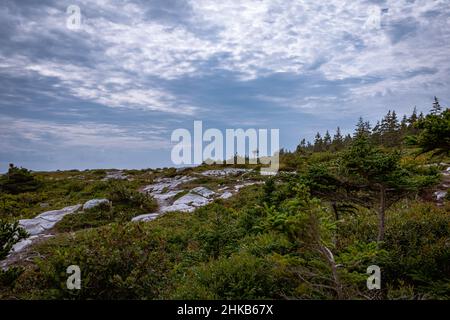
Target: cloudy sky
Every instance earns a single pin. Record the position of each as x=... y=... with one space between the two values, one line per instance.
x=110 y=93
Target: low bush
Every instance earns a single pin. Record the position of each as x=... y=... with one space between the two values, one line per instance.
x=10 y=234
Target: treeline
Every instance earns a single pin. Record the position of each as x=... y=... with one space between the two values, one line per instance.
x=387 y=132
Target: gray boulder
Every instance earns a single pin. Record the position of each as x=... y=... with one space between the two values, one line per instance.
x=178 y=207
x=146 y=217
x=46 y=220
x=226 y=195
x=192 y=200
x=204 y=192
x=94 y=203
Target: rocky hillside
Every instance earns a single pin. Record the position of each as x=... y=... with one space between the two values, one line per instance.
x=224 y=232
x=180 y=193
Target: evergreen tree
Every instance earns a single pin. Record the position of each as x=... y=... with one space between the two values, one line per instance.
x=413 y=118
x=381 y=175
x=376 y=133
x=367 y=128
x=303 y=143
x=302 y=146
x=421 y=117
x=394 y=124
x=434 y=134
x=348 y=139
x=436 y=109
x=362 y=129
x=389 y=130
x=327 y=140
x=338 y=140
x=318 y=142
x=385 y=122
x=404 y=123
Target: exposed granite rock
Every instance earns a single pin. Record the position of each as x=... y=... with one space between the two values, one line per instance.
x=178 y=207
x=192 y=200
x=94 y=203
x=226 y=195
x=440 y=195
x=204 y=192
x=240 y=186
x=146 y=217
x=167 y=184
x=224 y=172
x=38 y=226
x=166 y=196
x=19 y=246
x=46 y=220
x=115 y=175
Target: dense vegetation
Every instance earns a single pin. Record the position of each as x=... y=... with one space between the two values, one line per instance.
x=347 y=203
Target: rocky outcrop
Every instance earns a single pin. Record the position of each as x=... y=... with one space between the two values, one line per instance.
x=94 y=203
x=204 y=192
x=46 y=220
x=168 y=184
x=192 y=199
x=225 y=172
x=164 y=190
x=166 y=196
x=240 y=186
x=226 y=195
x=39 y=226
x=115 y=175
x=177 y=207
x=146 y=217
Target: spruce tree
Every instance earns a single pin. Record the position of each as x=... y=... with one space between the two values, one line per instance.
x=327 y=140
x=380 y=174
x=434 y=133
x=302 y=146
x=376 y=133
x=338 y=140
x=318 y=142
x=436 y=109
x=413 y=118
x=348 y=139
x=362 y=128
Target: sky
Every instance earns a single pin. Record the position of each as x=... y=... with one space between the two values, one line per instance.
x=110 y=93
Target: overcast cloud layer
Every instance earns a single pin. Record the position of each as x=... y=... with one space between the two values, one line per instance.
x=110 y=94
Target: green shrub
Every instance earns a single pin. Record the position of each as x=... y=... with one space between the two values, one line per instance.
x=10 y=234
x=418 y=242
x=18 y=180
x=120 y=193
x=116 y=262
x=9 y=276
x=98 y=216
x=241 y=276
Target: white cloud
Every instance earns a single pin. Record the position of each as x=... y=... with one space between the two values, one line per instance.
x=30 y=133
x=252 y=39
x=101 y=85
